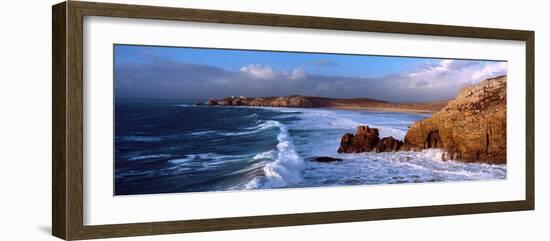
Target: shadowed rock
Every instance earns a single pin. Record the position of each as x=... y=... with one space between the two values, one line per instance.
x=367 y=139
x=388 y=144
x=364 y=140
x=409 y=147
x=325 y=159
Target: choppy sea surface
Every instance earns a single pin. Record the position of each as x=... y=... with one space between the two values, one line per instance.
x=175 y=146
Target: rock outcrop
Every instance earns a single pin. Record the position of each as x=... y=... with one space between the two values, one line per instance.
x=388 y=144
x=367 y=139
x=471 y=128
x=364 y=140
x=325 y=159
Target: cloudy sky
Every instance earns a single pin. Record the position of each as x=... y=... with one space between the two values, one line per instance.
x=195 y=73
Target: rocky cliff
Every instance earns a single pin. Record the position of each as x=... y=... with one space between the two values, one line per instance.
x=470 y=128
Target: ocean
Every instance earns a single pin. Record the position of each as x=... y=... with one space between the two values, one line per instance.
x=174 y=146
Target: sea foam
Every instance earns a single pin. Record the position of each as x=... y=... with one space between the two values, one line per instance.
x=137 y=158
x=285 y=169
x=325 y=119
x=264 y=125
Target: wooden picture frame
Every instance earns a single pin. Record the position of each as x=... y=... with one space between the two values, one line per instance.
x=67 y=150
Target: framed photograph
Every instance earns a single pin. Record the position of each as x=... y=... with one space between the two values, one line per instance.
x=171 y=120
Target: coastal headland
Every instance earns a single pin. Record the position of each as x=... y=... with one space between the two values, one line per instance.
x=298 y=101
x=470 y=128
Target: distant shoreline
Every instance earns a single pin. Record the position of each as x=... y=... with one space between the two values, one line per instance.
x=350 y=108
x=297 y=101
x=387 y=109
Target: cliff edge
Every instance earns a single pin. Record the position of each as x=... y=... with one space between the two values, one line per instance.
x=470 y=128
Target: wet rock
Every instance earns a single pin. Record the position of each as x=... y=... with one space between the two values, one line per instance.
x=409 y=147
x=364 y=140
x=325 y=159
x=388 y=144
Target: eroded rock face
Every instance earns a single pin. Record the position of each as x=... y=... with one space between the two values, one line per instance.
x=409 y=147
x=367 y=139
x=364 y=140
x=471 y=128
x=388 y=144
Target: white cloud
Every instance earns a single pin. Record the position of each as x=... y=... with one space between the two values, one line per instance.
x=297 y=74
x=430 y=69
x=259 y=71
x=490 y=70
x=443 y=65
x=450 y=74
x=434 y=80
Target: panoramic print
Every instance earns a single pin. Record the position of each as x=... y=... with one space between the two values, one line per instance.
x=203 y=119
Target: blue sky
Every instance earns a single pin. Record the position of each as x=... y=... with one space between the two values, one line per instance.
x=233 y=60
x=200 y=73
